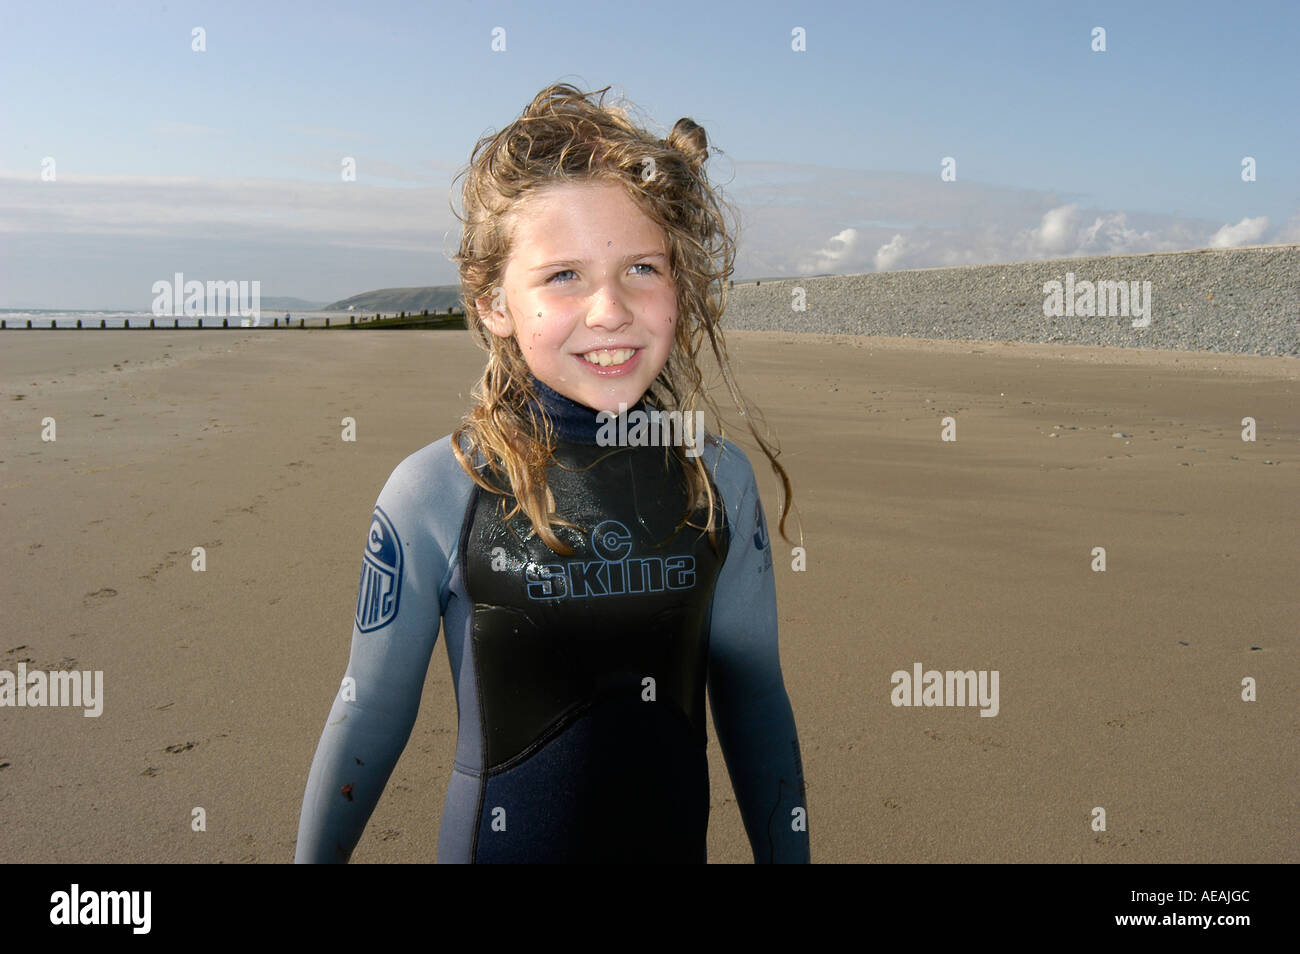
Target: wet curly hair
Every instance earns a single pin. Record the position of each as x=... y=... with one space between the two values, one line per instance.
x=567 y=136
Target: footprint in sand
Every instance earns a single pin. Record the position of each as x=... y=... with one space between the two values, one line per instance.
x=169 y=561
x=1123 y=721
x=99 y=596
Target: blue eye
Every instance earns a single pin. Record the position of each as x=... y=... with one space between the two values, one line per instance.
x=569 y=271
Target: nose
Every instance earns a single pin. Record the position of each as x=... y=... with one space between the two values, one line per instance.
x=608 y=308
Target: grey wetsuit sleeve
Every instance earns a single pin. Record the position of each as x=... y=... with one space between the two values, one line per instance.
x=751 y=710
x=409 y=550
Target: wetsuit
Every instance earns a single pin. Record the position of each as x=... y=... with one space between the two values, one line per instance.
x=579 y=679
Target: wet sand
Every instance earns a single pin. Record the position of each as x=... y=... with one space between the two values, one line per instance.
x=1119 y=689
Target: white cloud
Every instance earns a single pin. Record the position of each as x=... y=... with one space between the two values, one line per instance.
x=366 y=168
x=898 y=251
x=903 y=220
x=344 y=213
x=836 y=253
x=1110 y=234
x=1061 y=233
x=1246 y=232
x=1055 y=233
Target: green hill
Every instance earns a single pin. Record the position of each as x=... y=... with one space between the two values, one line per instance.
x=390 y=301
x=270 y=303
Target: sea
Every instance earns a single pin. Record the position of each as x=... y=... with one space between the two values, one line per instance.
x=55 y=318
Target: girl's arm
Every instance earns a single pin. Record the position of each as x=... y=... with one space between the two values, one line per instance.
x=751 y=711
x=405 y=567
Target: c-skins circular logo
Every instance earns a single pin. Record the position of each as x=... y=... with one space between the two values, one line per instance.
x=381 y=575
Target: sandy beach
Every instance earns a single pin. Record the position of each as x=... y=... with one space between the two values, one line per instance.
x=1119 y=689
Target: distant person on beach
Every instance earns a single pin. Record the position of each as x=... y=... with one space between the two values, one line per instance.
x=595 y=559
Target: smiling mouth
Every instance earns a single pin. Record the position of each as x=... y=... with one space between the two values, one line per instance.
x=606 y=357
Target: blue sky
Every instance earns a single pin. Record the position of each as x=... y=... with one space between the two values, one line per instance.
x=225 y=164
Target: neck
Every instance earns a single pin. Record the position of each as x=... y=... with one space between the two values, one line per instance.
x=573 y=422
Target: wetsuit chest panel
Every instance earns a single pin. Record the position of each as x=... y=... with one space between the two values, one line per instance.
x=562 y=638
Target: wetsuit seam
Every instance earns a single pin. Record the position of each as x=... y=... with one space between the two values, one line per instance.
x=724 y=539
x=725 y=534
x=568 y=718
x=444 y=586
x=463 y=548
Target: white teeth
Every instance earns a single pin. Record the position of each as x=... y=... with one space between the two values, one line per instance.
x=604 y=357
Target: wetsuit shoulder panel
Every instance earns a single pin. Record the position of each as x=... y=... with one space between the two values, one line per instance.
x=409 y=550
x=751 y=710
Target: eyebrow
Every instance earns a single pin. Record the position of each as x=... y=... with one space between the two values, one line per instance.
x=627 y=260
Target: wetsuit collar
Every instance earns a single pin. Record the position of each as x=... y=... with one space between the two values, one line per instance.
x=573 y=422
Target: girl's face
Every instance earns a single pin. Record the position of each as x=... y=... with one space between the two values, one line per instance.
x=587 y=294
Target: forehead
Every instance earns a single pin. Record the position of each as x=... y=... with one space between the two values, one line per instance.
x=577 y=203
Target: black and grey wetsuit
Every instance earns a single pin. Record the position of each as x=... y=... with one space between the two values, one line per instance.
x=580 y=679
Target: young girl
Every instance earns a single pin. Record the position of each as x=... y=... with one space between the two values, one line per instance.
x=591 y=579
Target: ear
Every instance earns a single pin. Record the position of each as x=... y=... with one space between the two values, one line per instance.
x=497 y=322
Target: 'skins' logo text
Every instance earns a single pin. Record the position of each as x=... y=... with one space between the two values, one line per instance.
x=614 y=573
